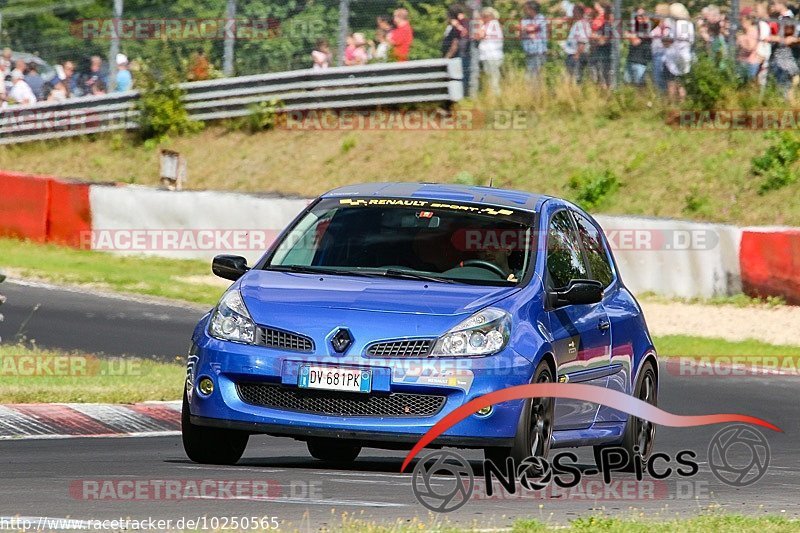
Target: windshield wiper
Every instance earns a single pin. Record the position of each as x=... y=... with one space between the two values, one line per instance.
x=387 y=273
x=395 y=273
x=309 y=269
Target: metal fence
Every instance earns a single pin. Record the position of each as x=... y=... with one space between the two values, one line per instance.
x=369 y=86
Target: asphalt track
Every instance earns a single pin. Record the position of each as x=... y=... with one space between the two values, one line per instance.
x=47 y=477
x=77 y=319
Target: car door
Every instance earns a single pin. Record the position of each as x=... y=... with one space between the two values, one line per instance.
x=619 y=306
x=581 y=335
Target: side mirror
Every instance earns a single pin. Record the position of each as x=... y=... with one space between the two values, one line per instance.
x=578 y=292
x=230 y=267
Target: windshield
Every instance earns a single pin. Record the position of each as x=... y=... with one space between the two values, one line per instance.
x=405 y=238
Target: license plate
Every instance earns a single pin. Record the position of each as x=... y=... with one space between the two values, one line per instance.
x=332 y=378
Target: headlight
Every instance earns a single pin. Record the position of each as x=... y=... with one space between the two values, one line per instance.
x=231 y=321
x=484 y=333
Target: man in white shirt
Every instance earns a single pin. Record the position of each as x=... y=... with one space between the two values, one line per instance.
x=20 y=92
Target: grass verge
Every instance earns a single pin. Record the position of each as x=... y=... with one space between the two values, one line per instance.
x=149 y=276
x=699 y=524
x=704 y=523
x=570 y=131
x=33 y=375
x=687 y=346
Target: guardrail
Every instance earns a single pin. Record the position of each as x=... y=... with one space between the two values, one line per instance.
x=369 y=86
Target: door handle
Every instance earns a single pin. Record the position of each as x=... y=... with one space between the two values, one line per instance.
x=603 y=325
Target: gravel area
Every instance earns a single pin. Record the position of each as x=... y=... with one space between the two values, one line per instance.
x=774 y=325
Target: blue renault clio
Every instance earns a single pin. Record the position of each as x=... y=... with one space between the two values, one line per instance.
x=385 y=306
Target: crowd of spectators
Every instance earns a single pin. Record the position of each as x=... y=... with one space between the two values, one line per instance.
x=24 y=84
x=392 y=42
x=658 y=47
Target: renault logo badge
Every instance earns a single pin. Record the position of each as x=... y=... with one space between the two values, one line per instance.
x=341 y=340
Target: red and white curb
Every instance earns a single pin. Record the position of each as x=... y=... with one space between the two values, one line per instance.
x=68 y=420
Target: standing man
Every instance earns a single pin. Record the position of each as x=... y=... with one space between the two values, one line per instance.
x=456 y=42
x=533 y=33
x=402 y=36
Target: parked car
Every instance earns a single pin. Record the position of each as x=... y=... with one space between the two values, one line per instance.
x=46 y=71
x=383 y=307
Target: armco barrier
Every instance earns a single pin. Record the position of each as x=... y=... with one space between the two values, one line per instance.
x=770 y=263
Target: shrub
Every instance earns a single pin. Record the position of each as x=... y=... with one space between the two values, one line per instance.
x=161 y=110
x=710 y=82
x=262 y=116
x=465 y=178
x=591 y=188
x=777 y=166
x=696 y=203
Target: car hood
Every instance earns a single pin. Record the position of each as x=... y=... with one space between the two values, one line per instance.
x=264 y=292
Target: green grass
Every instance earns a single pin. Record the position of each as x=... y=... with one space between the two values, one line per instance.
x=700 y=524
x=148 y=276
x=704 y=523
x=736 y=300
x=684 y=345
x=33 y=375
x=661 y=170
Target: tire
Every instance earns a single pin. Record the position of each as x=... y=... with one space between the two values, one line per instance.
x=534 y=429
x=332 y=450
x=638 y=432
x=211 y=446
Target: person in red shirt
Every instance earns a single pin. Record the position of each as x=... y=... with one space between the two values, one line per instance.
x=402 y=35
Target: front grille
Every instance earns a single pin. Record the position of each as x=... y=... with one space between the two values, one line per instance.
x=338 y=403
x=283 y=340
x=410 y=348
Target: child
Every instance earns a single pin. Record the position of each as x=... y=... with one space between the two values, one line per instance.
x=358 y=54
x=321 y=55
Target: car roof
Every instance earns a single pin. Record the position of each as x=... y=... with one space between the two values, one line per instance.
x=522 y=200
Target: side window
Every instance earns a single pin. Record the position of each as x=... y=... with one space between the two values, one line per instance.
x=596 y=252
x=564 y=257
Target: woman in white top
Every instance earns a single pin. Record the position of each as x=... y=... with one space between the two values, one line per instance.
x=678 y=41
x=490 y=46
x=764 y=49
x=577 y=45
x=657 y=46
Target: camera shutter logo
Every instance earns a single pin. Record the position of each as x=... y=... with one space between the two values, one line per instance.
x=534 y=473
x=443 y=493
x=739 y=455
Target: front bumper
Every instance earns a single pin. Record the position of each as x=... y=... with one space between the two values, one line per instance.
x=457 y=380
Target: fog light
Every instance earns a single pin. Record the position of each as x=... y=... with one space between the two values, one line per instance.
x=485 y=411
x=206 y=386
